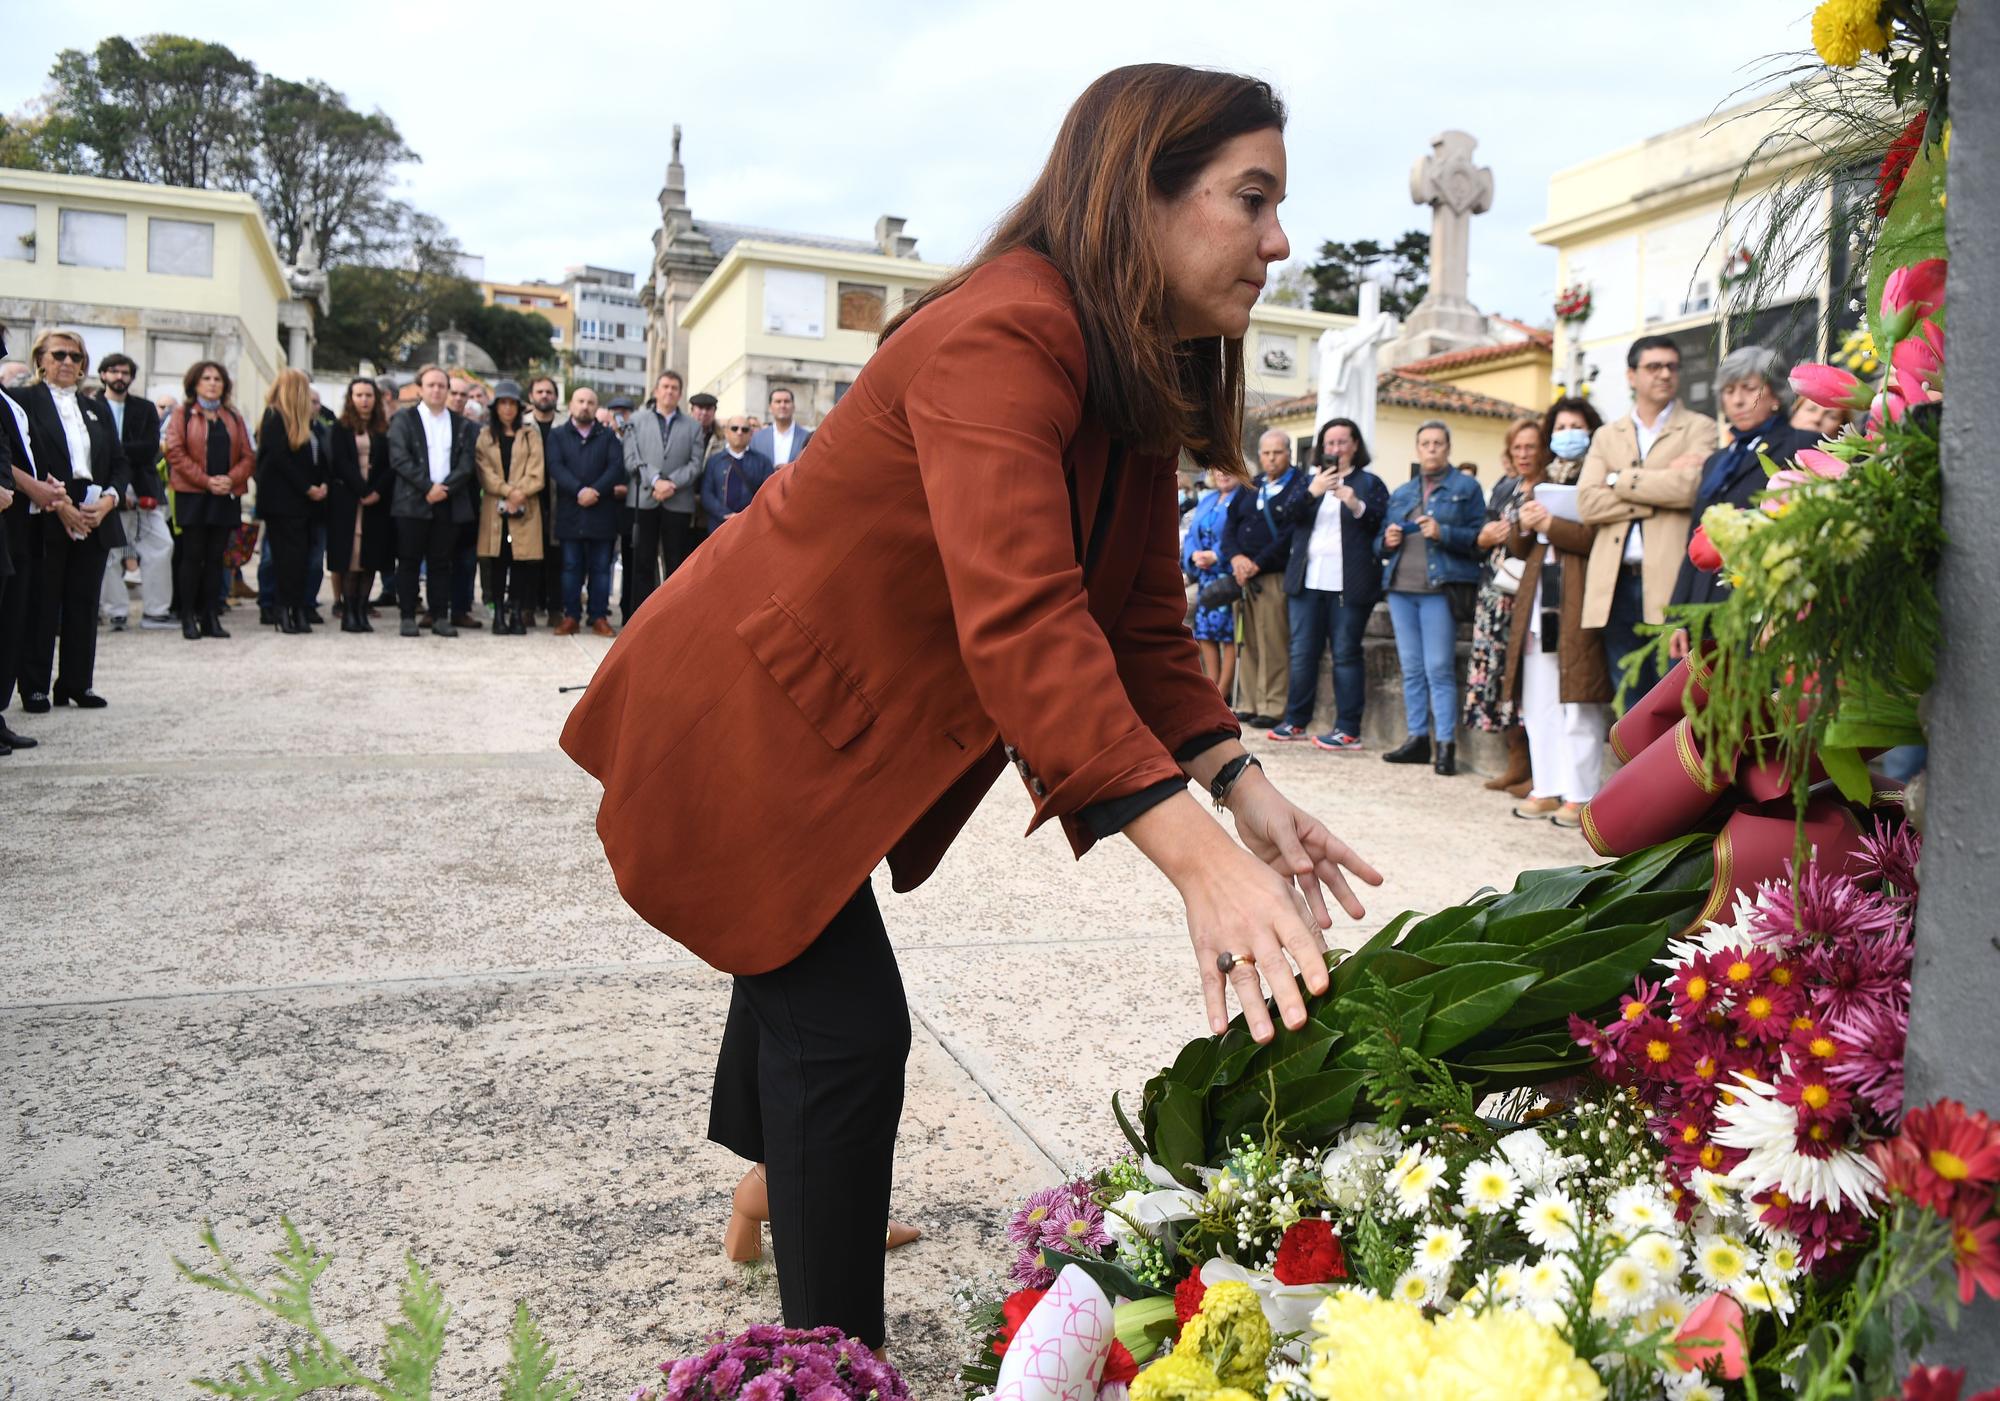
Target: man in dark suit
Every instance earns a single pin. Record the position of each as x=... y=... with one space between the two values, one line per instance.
x=587 y=464
x=783 y=438
x=731 y=477
x=143 y=512
x=431 y=453
x=545 y=412
x=20 y=485
x=75 y=445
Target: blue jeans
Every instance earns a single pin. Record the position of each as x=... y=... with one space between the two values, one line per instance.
x=1621 y=638
x=596 y=557
x=1320 y=617
x=1427 y=646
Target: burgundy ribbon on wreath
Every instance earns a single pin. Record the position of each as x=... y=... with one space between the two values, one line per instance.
x=1668 y=787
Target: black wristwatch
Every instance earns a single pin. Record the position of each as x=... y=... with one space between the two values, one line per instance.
x=1225 y=778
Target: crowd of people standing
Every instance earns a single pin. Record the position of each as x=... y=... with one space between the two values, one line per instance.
x=1580 y=545
x=469 y=487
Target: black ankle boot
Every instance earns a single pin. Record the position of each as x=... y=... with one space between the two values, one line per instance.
x=350 y=617
x=211 y=625
x=1447 y=760
x=1414 y=750
x=288 y=621
x=190 y=626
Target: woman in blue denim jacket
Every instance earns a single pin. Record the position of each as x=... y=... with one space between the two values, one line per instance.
x=1202 y=562
x=1430 y=542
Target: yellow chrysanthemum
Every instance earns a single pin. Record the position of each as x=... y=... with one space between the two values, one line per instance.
x=1176 y=1378
x=1377 y=1349
x=1843 y=30
x=1230 y=1335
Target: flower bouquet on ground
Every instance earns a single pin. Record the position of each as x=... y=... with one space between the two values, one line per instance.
x=769 y=1363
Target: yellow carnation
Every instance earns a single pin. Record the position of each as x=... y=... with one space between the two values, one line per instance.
x=1176 y=1378
x=1843 y=30
x=1365 y=1348
x=1230 y=1334
x=1368 y=1349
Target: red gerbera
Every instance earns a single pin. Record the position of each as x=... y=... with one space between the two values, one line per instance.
x=1955 y=1150
x=1975 y=1246
x=1896 y=164
x=1310 y=1253
x=1187 y=1298
x=1926 y=1383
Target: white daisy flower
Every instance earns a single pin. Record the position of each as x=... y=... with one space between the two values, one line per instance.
x=1489 y=1185
x=1507 y=1278
x=1438 y=1249
x=1689 y=1386
x=1713 y=1191
x=1638 y=1209
x=1766 y=1128
x=1660 y=1254
x=1667 y=1313
x=1764 y=1294
x=1782 y=1257
x=1412 y=1180
x=1723 y=1262
x=1624 y=1287
x=1415 y=1287
x=1549 y=1220
x=1543 y=1288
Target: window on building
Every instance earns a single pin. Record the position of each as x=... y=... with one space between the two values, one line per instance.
x=794 y=303
x=168 y=359
x=862 y=306
x=100 y=341
x=17 y=232
x=89 y=238
x=840 y=388
x=180 y=247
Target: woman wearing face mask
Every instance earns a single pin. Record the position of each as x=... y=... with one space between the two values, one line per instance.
x=1556 y=675
x=1202 y=562
x=1429 y=548
x=1487 y=705
x=210 y=461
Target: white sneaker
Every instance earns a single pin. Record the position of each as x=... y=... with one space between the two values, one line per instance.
x=148 y=623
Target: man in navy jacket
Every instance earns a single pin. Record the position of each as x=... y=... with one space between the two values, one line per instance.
x=733 y=475
x=1257 y=546
x=586 y=463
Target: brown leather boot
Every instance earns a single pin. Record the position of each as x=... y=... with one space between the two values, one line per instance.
x=1517 y=761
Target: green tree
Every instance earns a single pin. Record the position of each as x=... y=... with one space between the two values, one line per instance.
x=381 y=310
x=315 y=156
x=1402 y=269
x=166 y=110
x=517 y=341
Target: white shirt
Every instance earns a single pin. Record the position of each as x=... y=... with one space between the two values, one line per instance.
x=437 y=439
x=75 y=430
x=1325 y=565
x=1635 y=540
x=781 y=444
x=27 y=448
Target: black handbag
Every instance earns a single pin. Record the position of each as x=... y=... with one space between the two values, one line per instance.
x=1221 y=593
x=1463 y=598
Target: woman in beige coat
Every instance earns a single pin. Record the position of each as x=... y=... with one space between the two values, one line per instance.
x=511 y=476
x=1556 y=672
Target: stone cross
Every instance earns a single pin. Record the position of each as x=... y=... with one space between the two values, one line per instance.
x=1455 y=189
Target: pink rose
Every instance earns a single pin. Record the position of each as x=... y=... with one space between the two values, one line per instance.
x=1918 y=289
x=1829 y=386
x=1712 y=1333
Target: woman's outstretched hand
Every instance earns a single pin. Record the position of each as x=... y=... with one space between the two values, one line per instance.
x=1246 y=903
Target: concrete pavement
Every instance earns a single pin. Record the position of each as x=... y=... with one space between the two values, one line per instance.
x=319 y=926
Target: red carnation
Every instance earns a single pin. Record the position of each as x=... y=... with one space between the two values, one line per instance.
x=1019 y=1305
x=1310 y=1254
x=1896 y=164
x=1187 y=1298
x=1702 y=551
x=1119 y=1367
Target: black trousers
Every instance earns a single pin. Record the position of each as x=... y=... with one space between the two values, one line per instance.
x=65 y=611
x=425 y=544
x=291 y=541
x=810 y=1082
x=198 y=564
x=18 y=593
x=504 y=578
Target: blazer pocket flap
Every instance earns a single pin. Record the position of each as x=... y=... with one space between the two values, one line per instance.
x=817 y=684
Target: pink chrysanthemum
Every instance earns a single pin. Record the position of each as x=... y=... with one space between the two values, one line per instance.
x=1076 y=1227
x=1026 y=1227
x=1871 y=1059
x=1029 y=1272
x=1819 y=906
x=1850 y=978
x=1889 y=854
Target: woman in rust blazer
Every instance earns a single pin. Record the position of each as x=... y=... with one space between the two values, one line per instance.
x=975 y=561
x=209 y=461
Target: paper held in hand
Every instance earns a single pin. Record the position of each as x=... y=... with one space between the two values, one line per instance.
x=1561 y=501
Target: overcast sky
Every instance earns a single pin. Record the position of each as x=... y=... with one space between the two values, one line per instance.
x=544 y=137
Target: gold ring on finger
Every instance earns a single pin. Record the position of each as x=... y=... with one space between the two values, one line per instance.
x=1226 y=960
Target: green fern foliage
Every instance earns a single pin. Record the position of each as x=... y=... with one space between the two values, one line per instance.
x=316 y=1363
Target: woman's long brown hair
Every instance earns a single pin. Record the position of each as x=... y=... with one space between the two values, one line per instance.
x=1137 y=133
x=350 y=417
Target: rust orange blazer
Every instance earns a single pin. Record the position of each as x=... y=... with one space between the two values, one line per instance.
x=829 y=680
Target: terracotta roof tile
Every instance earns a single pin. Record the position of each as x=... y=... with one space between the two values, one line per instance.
x=1477 y=355
x=1404 y=391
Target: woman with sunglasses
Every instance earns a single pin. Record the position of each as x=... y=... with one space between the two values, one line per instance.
x=978 y=563
x=75 y=443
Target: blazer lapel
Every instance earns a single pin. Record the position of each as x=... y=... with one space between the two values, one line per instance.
x=51 y=443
